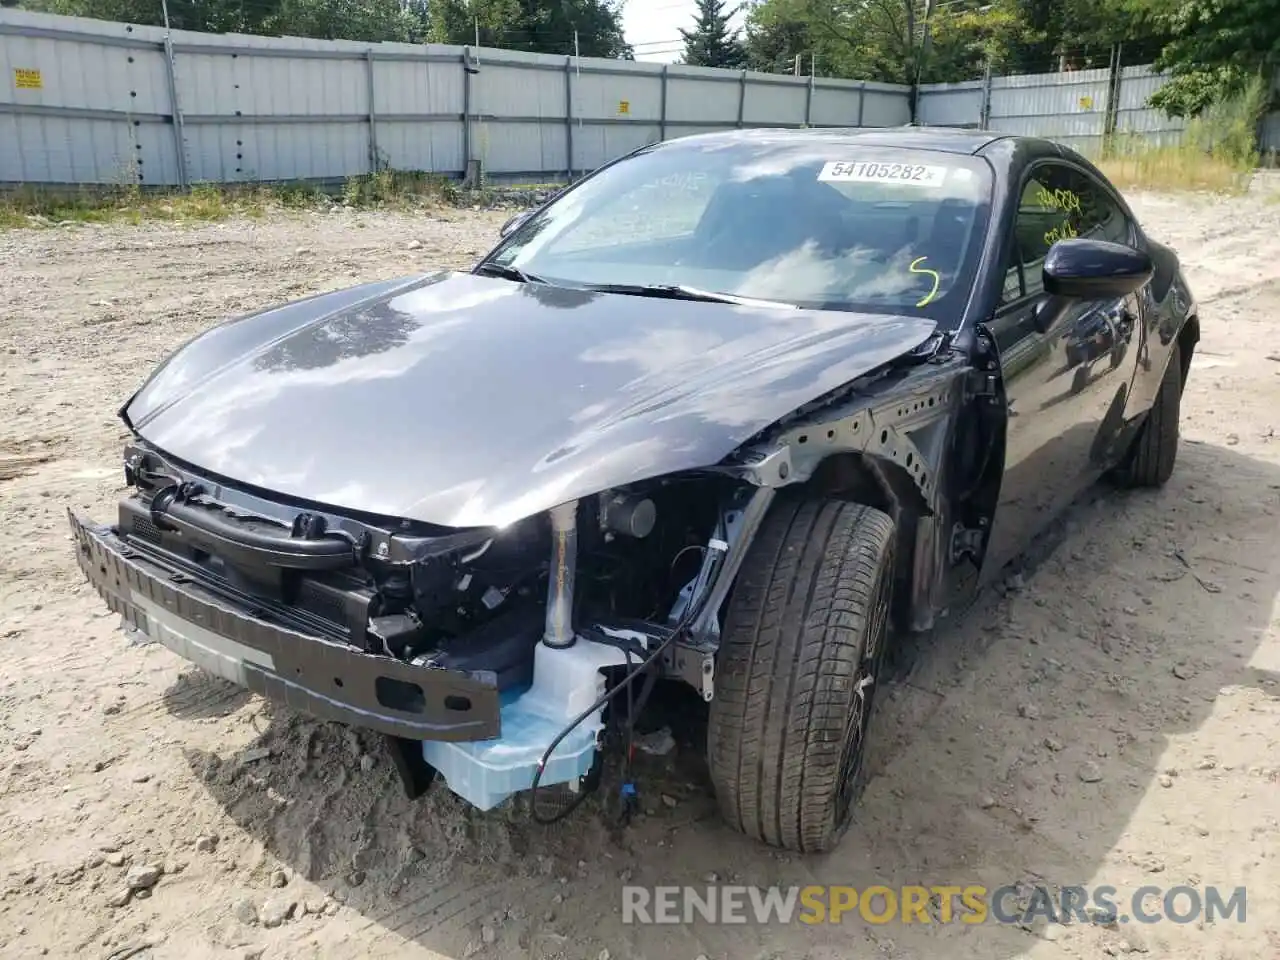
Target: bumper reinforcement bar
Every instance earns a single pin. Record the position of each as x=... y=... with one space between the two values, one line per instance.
x=324 y=678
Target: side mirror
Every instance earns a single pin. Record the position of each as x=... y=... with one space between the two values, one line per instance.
x=1079 y=269
x=515 y=222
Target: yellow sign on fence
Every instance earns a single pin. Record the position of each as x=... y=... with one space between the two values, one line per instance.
x=27 y=79
x=624 y=106
x=1086 y=103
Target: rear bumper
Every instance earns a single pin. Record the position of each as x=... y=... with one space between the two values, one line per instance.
x=324 y=678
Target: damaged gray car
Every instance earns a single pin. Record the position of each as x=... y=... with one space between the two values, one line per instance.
x=736 y=411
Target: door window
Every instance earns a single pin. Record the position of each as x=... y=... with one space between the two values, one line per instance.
x=1058 y=203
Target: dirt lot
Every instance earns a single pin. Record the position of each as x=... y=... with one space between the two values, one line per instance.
x=1114 y=718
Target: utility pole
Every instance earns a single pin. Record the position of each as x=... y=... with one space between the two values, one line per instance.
x=925 y=43
x=171 y=70
x=797 y=65
x=920 y=58
x=577 y=86
x=477 y=21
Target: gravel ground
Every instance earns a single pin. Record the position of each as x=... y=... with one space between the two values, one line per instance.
x=1110 y=718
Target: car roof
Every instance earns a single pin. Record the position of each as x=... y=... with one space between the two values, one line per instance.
x=957 y=140
x=944 y=139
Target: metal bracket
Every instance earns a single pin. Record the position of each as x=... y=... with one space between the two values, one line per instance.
x=770 y=468
x=967 y=541
x=983 y=384
x=751 y=518
x=695 y=664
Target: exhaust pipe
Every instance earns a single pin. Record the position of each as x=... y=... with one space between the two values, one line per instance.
x=558 y=633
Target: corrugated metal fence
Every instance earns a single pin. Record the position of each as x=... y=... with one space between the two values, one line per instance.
x=1072 y=107
x=88 y=101
x=91 y=101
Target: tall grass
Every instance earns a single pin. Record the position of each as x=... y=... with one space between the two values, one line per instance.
x=1216 y=152
x=32 y=206
x=389 y=187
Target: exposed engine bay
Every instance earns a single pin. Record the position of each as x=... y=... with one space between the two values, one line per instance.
x=635 y=550
x=540 y=610
x=436 y=599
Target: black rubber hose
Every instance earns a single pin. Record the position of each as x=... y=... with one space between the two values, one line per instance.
x=625 y=683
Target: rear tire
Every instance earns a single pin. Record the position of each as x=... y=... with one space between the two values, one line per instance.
x=1149 y=462
x=800 y=658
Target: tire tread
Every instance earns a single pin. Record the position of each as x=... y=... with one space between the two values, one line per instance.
x=791 y=646
x=1150 y=461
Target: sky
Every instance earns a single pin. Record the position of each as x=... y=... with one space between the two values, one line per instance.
x=652 y=27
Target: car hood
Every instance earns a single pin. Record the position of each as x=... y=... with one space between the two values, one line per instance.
x=464 y=400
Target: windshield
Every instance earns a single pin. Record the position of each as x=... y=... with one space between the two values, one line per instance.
x=821 y=223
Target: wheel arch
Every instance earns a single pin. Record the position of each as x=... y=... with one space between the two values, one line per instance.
x=875 y=481
x=891 y=446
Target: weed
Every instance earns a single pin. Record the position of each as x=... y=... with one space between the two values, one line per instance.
x=204 y=201
x=1215 y=152
x=384 y=189
x=395 y=188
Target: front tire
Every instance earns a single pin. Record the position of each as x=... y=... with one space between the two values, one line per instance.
x=800 y=658
x=1149 y=462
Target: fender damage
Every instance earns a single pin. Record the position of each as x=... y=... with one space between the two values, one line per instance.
x=359 y=508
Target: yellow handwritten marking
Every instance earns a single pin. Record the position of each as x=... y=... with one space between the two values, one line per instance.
x=1063 y=232
x=1059 y=199
x=937 y=279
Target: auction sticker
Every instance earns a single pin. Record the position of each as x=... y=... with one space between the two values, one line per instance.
x=871 y=171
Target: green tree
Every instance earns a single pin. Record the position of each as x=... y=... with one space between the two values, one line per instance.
x=711 y=43
x=1047 y=35
x=875 y=40
x=371 y=20
x=904 y=41
x=776 y=33
x=1215 y=51
x=963 y=41
x=461 y=21
x=882 y=40
x=538 y=26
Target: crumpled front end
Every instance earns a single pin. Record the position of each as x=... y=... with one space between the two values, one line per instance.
x=277 y=654
x=493 y=648
x=361 y=509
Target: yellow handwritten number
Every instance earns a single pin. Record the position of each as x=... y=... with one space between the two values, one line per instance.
x=916 y=268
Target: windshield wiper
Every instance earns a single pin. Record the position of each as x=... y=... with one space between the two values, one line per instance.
x=507 y=272
x=678 y=291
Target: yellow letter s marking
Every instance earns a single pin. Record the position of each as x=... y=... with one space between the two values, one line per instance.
x=916 y=268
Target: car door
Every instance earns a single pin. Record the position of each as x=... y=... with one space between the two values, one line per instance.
x=1067 y=384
